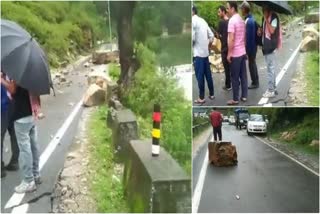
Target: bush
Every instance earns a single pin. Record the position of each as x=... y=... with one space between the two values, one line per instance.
x=114 y=71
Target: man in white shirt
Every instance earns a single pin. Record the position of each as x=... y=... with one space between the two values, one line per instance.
x=202 y=36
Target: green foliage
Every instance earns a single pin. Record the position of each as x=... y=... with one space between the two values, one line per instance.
x=62 y=28
x=153 y=86
x=107 y=192
x=312 y=77
x=208 y=10
x=114 y=71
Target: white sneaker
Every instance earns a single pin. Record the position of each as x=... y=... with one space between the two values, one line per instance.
x=269 y=94
x=25 y=187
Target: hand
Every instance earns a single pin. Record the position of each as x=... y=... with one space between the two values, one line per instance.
x=229 y=58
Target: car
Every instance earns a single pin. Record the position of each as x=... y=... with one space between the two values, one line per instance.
x=232 y=120
x=225 y=119
x=242 y=119
x=257 y=123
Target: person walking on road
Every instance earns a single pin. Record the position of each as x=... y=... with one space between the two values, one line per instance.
x=251 y=45
x=216 y=122
x=7 y=109
x=223 y=36
x=26 y=110
x=202 y=36
x=237 y=54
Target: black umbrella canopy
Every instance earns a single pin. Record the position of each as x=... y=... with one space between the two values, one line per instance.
x=276 y=6
x=23 y=60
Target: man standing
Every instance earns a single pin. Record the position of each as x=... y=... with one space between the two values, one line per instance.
x=237 y=54
x=223 y=36
x=271 y=40
x=202 y=36
x=251 y=45
x=216 y=122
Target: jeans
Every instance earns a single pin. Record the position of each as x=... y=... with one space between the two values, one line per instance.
x=226 y=69
x=217 y=132
x=4 y=126
x=270 y=61
x=239 y=76
x=253 y=69
x=202 y=70
x=26 y=133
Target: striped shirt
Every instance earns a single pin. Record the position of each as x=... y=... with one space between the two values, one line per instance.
x=238 y=27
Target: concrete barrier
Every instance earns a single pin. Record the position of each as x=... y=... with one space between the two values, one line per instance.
x=155 y=184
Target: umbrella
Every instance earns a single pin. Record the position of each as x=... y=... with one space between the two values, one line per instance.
x=23 y=60
x=276 y=6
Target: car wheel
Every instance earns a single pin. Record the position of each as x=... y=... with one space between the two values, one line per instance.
x=250 y=134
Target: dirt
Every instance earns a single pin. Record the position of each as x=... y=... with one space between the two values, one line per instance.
x=71 y=192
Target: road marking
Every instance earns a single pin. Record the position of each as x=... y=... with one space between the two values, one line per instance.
x=17 y=198
x=288 y=156
x=263 y=100
x=199 y=186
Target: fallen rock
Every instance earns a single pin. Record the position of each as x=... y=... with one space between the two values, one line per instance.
x=94 y=96
x=62 y=78
x=222 y=154
x=98 y=77
x=310 y=31
x=309 y=44
x=312 y=17
x=315 y=143
x=103 y=57
x=86 y=64
x=288 y=136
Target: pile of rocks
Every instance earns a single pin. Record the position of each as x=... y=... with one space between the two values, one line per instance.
x=310 y=40
x=105 y=57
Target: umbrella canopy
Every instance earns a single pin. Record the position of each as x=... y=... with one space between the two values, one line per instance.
x=276 y=6
x=23 y=60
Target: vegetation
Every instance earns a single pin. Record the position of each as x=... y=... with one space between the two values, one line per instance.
x=312 y=77
x=114 y=71
x=199 y=125
x=152 y=86
x=63 y=29
x=107 y=191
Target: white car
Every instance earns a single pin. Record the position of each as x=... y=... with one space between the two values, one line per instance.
x=232 y=120
x=256 y=124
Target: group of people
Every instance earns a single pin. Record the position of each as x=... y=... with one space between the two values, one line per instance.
x=239 y=40
x=19 y=112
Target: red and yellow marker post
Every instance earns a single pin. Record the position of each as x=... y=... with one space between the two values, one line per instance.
x=156 y=130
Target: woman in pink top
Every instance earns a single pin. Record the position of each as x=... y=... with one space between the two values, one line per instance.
x=237 y=54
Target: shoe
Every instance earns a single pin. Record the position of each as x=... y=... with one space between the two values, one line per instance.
x=25 y=187
x=3 y=172
x=37 y=180
x=252 y=86
x=243 y=99
x=212 y=97
x=269 y=94
x=227 y=89
x=12 y=166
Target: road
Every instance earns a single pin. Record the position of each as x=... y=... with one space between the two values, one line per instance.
x=290 y=43
x=56 y=109
x=265 y=180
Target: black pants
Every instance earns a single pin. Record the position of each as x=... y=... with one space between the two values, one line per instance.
x=253 y=69
x=217 y=132
x=226 y=69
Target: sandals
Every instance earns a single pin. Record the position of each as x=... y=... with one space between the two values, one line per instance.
x=212 y=97
x=243 y=99
x=199 y=101
x=232 y=102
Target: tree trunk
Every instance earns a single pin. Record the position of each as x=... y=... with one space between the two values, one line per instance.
x=125 y=39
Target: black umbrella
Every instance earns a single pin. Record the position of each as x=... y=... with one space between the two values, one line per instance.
x=276 y=6
x=23 y=60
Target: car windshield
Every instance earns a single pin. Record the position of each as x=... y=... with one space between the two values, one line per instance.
x=256 y=117
x=243 y=116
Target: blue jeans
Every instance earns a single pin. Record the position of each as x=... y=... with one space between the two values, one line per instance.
x=26 y=133
x=202 y=70
x=238 y=72
x=271 y=61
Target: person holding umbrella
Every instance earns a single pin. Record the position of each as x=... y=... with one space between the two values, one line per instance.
x=237 y=54
x=26 y=64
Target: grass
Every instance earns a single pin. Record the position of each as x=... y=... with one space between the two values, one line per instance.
x=114 y=71
x=312 y=77
x=108 y=192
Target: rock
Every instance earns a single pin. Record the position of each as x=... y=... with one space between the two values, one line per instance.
x=222 y=154
x=86 y=64
x=310 y=31
x=288 y=136
x=64 y=190
x=65 y=72
x=300 y=23
x=312 y=17
x=103 y=57
x=94 y=96
x=216 y=46
x=237 y=197
x=309 y=44
x=315 y=143
x=62 y=78
x=71 y=156
x=98 y=77
x=71 y=204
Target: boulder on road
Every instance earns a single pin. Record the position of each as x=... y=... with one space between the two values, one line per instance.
x=310 y=31
x=222 y=154
x=98 y=77
x=94 y=96
x=315 y=143
x=309 y=44
x=104 y=57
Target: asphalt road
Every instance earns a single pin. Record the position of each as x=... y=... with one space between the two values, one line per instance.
x=56 y=110
x=265 y=180
x=290 y=43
